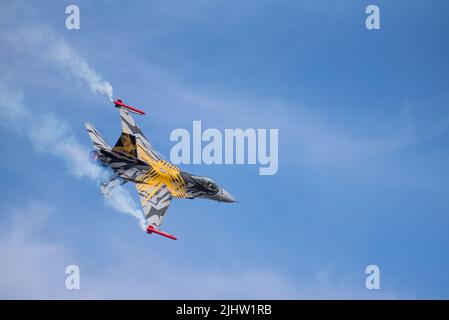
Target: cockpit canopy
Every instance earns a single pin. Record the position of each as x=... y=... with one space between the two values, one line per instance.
x=207 y=183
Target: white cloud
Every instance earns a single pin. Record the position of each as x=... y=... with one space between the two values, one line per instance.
x=34 y=268
x=30 y=267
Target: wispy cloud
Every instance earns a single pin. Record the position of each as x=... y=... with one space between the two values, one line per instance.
x=322 y=139
x=26 y=273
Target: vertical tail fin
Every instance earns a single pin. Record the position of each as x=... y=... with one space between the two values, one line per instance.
x=145 y=150
x=127 y=144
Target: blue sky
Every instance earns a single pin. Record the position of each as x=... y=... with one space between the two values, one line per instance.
x=363 y=149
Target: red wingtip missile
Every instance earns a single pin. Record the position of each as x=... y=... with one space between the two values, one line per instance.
x=119 y=104
x=152 y=229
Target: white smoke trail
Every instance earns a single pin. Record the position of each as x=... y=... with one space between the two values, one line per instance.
x=69 y=60
x=28 y=39
x=52 y=135
x=121 y=201
x=23 y=33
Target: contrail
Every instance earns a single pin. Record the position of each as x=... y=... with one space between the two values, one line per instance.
x=27 y=38
x=72 y=62
x=52 y=135
x=22 y=32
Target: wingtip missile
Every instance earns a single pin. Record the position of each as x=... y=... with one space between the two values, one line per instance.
x=151 y=229
x=119 y=104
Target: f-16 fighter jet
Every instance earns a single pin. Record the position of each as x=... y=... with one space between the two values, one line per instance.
x=157 y=181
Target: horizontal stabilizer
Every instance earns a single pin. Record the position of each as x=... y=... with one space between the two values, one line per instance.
x=97 y=140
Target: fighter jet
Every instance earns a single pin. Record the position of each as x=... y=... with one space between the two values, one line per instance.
x=133 y=159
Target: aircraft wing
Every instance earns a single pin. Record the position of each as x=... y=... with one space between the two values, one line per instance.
x=145 y=150
x=155 y=201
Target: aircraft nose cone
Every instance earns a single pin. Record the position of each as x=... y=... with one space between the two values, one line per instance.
x=225 y=196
